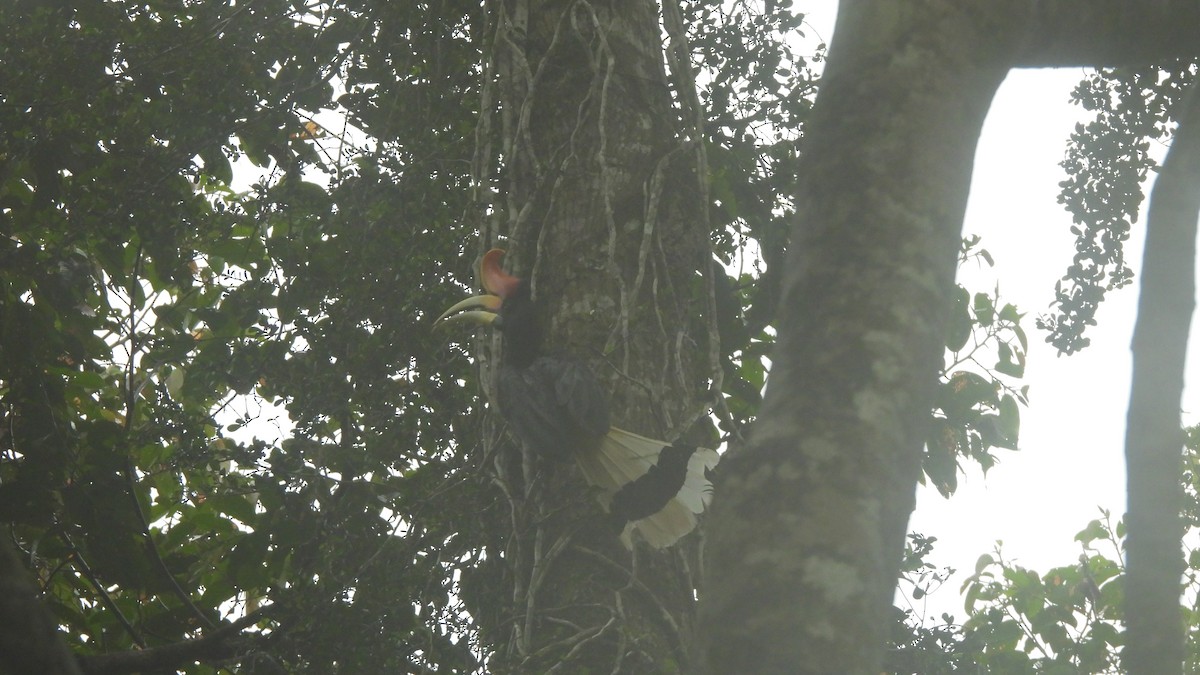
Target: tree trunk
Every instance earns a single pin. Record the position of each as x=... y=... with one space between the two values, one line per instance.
x=1154 y=435
x=807 y=526
x=29 y=642
x=602 y=211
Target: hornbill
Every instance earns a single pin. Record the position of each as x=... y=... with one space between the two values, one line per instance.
x=555 y=406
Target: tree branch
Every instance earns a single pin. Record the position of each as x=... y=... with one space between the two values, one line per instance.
x=218 y=645
x=85 y=569
x=1099 y=33
x=29 y=642
x=1154 y=438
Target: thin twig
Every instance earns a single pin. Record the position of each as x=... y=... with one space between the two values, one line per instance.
x=105 y=599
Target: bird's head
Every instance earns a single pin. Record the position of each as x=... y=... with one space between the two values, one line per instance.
x=486 y=309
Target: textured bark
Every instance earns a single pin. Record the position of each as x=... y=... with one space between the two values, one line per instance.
x=29 y=642
x=1104 y=32
x=601 y=213
x=1154 y=437
x=807 y=527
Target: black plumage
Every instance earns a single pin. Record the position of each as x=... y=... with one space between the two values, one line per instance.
x=648 y=495
x=552 y=402
x=555 y=405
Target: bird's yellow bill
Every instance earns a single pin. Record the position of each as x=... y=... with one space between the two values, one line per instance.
x=482 y=308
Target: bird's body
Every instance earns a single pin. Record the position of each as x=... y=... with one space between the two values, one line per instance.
x=557 y=408
x=554 y=405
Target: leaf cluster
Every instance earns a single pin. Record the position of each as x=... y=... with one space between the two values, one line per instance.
x=1107 y=161
x=756 y=90
x=976 y=406
x=1064 y=620
x=217 y=400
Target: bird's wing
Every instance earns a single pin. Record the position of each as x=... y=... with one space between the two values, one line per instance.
x=530 y=406
x=555 y=406
x=579 y=393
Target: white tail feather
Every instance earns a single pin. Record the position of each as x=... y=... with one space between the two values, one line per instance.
x=624 y=456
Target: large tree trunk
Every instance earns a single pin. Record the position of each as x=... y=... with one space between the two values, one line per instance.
x=1154 y=435
x=602 y=211
x=807 y=527
x=29 y=642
